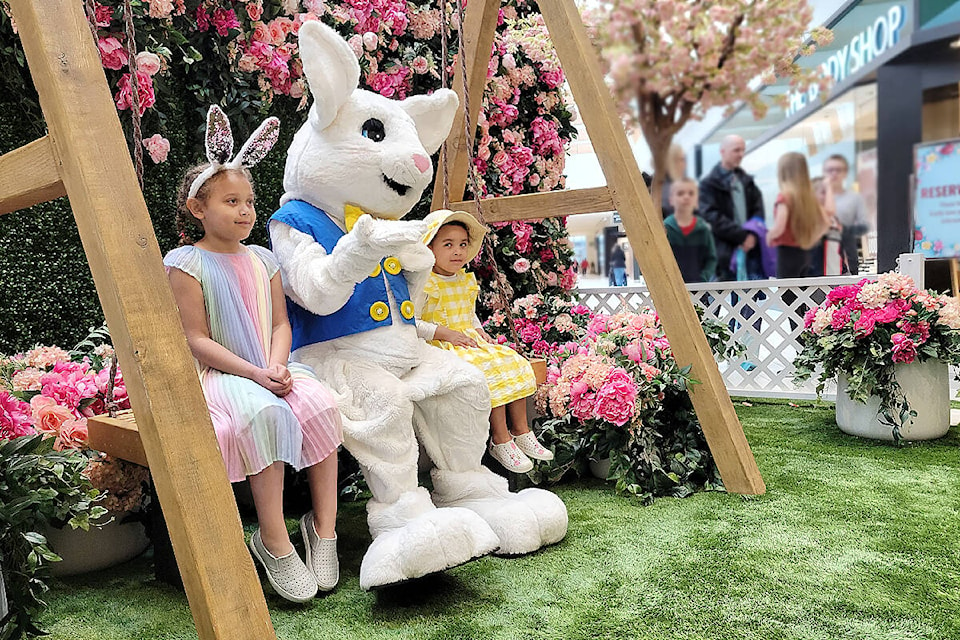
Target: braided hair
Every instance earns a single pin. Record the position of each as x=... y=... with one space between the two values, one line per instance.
x=189 y=228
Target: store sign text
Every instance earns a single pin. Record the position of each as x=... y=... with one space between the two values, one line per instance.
x=870 y=43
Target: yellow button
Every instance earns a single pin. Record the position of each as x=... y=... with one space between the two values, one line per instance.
x=375 y=272
x=406 y=309
x=392 y=266
x=379 y=311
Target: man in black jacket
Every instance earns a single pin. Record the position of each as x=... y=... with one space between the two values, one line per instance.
x=728 y=198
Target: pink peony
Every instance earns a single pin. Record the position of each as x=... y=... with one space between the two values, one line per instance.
x=530 y=333
x=113 y=55
x=356 y=44
x=15 y=417
x=904 y=349
x=569 y=279
x=158 y=147
x=521 y=265
x=616 y=399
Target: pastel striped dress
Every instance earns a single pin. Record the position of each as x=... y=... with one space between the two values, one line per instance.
x=254 y=427
x=451 y=301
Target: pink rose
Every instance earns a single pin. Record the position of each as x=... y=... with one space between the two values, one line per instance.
x=48 y=416
x=113 y=55
x=569 y=279
x=158 y=147
x=521 y=265
x=552 y=279
x=356 y=44
x=254 y=10
x=148 y=62
x=420 y=65
x=370 y=41
x=552 y=79
x=15 y=417
x=73 y=435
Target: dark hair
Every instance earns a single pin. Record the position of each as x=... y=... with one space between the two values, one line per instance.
x=839 y=158
x=189 y=229
x=455 y=223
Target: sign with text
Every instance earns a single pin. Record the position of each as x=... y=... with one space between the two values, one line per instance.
x=936 y=199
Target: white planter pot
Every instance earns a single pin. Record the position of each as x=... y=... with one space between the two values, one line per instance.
x=600 y=468
x=98 y=548
x=926 y=386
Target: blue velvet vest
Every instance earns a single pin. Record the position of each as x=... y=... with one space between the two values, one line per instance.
x=368 y=308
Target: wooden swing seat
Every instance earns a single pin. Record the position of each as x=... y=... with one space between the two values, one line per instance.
x=117 y=437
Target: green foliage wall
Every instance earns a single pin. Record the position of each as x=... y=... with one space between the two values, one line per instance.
x=46 y=289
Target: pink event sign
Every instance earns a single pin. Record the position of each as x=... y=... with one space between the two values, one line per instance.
x=936 y=206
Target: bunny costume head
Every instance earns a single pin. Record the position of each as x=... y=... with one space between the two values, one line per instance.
x=355 y=137
x=353 y=282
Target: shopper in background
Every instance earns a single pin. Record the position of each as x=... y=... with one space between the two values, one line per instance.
x=618 y=266
x=799 y=222
x=728 y=198
x=689 y=236
x=851 y=212
x=676 y=170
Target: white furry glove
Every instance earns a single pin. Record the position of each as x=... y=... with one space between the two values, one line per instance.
x=388 y=237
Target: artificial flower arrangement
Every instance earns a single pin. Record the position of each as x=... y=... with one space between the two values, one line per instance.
x=52 y=392
x=544 y=325
x=615 y=390
x=863 y=331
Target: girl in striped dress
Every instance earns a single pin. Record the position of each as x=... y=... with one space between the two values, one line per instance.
x=448 y=319
x=266 y=411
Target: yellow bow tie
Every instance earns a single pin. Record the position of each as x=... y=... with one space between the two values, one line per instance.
x=351 y=214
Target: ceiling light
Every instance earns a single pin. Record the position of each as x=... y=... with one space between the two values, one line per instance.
x=955 y=44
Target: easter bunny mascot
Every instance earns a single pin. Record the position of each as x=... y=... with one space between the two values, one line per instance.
x=350 y=268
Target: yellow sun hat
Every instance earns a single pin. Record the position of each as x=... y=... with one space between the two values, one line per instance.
x=475 y=230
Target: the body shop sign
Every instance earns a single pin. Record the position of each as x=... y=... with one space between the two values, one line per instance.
x=849 y=54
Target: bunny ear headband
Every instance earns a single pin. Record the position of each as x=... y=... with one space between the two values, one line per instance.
x=220 y=146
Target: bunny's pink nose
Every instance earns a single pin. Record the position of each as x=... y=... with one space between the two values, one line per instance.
x=422 y=162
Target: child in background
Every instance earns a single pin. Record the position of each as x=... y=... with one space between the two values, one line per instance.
x=265 y=410
x=690 y=237
x=447 y=318
x=827 y=255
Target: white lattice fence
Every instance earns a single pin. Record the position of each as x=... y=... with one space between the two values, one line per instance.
x=766 y=316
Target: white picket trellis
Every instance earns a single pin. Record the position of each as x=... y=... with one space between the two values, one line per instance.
x=766 y=316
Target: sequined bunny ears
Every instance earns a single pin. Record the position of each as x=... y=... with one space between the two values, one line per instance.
x=220 y=146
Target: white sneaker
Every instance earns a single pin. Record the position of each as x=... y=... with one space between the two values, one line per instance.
x=287 y=575
x=321 y=554
x=510 y=456
x=528 y=443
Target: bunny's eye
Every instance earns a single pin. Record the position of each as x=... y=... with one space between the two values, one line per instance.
x=373 y=129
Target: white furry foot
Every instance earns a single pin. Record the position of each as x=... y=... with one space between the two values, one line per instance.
x=524 y=521
x=431 y=541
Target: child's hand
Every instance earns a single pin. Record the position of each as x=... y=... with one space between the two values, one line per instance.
x=485 y=335
x=456 y=338
x=276 y=379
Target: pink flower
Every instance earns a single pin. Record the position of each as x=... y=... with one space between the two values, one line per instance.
x=145 y=95
x=616 y=399
x=552 y=279
x=552 y=79
x=569 y=279
x=904 y=349
x=841 y=294
x=203 y=19
x=254 y=10
x=148 y=62
x=113 y=55
x=224 y=20
x=45 y=357
x=521 y=265
x=15 y=417
x=530 y=333
x=73 y=435
x=370 y=41
x=48 y=416
x=420 y=65
x=26 y=379
x=103 y=14
x=158 y=147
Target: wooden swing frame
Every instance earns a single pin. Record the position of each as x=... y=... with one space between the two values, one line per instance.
x=85 y=157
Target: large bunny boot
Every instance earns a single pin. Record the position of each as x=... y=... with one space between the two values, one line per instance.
x=453 y=428
x=411 y=536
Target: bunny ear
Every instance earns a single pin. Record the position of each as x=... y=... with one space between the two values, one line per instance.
x=259 y=144
x=219 y=137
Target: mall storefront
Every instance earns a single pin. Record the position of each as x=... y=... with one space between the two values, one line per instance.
x=896 y=72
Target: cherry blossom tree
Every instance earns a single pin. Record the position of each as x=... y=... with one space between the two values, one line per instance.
x=669 y=61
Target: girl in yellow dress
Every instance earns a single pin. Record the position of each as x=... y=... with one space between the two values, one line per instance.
x=448 y=320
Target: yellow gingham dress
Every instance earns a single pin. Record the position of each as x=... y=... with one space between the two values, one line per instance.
x=451 y=302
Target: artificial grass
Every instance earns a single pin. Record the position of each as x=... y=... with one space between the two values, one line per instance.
x=853 y=539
